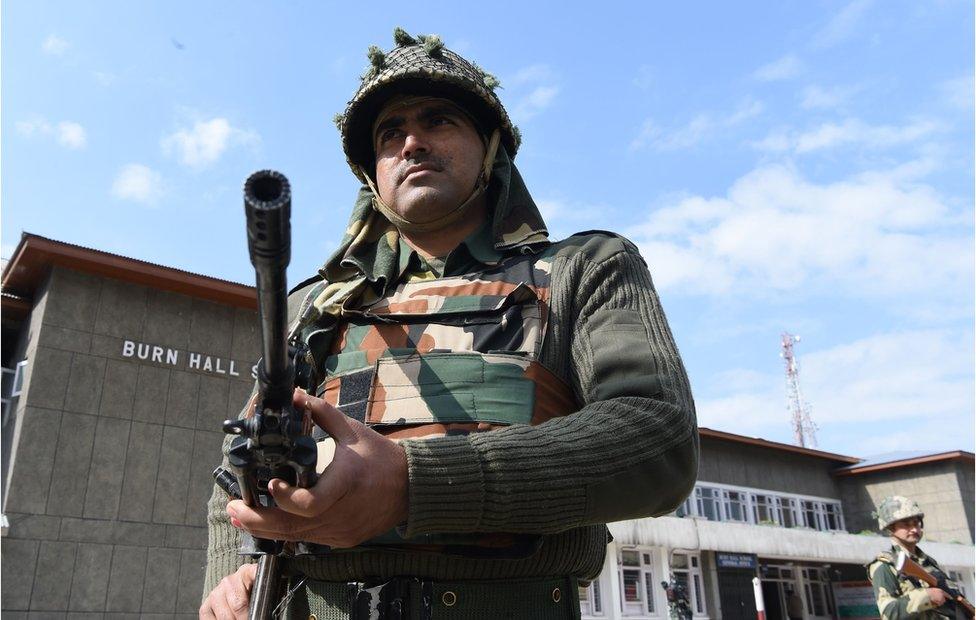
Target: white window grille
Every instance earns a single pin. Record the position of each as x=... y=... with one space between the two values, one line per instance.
x=817 y=590
x=686 y=568
x=717 y=502
x=637 y=582
x=709 y=503
x=591 y=600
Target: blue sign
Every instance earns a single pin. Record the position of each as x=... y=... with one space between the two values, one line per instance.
x=735 y=560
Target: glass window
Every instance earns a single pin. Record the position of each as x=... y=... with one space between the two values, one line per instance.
x=591 y=599
x=632 y=593
x=735 y=505
x=684 y=509
x=709 y=503
x=788 y=511
x=686 y=569
x=817 y=594
x=637 y=581
x=810 y=515
x=18 y=378
x=832 y=515
x=766 y=510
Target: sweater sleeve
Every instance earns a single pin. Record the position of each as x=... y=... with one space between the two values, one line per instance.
x=223 y=540
x=630 y=451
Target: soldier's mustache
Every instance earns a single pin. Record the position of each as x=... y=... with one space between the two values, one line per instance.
x=432 y=161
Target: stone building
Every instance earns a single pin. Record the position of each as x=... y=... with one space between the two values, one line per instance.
x=118 y=373
x=122 y=372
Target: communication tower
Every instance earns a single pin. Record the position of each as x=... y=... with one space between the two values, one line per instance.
x=803 y=427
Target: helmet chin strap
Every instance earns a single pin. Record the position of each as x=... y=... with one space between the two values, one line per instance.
x=451 y=216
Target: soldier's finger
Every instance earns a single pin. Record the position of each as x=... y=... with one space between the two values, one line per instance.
x=269 y=522
x=335 y=423
x=306 y=503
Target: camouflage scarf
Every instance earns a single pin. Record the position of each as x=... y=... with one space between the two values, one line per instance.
x=369 y=251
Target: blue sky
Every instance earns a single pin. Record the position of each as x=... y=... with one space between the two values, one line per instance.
x=783 y=166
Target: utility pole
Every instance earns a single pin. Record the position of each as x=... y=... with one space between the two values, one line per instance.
x=803 y=427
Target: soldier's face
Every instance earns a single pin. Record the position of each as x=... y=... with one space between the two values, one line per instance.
x=908 y=531
x=428 y=158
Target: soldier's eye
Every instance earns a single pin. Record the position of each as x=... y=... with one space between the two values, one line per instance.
x=387 y=135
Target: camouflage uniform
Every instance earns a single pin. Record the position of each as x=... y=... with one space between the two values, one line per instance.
x=899 y=596
x=534 y=386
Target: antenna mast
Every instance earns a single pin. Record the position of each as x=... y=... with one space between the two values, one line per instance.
x=803 y=426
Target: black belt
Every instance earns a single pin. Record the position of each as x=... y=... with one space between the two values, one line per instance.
x=409 y=598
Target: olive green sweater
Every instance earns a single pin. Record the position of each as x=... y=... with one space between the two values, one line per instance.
x=631 y=451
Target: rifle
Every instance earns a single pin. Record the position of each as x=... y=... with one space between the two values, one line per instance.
x=910 y=567
x=272 y=439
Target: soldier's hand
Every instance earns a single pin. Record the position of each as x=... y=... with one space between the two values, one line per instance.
x=362 y=493
x=231 y=597
x=938 y=596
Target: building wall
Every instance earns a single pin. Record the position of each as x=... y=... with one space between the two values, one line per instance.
x=107 y=491
x=943 y=489
x=740 y=464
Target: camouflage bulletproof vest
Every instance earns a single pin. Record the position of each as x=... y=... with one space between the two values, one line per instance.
x=449 y=355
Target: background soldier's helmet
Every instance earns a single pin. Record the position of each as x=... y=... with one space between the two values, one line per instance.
x=420 y=65
x=896 y=508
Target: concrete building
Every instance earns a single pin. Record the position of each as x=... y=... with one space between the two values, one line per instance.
x=117 y=374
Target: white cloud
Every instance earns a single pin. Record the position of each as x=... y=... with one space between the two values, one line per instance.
x=532 y=74
x=72 y=135
x=67 y=133
x=877 y=234
x=958 y=92
x=204 y=143
x=35 y=125
x=842 y=25
x=138 y=183
x=563 y=218
x=898 y=376
x=817 y=97
x=535 y=89
x=697 y=130
x=781 y=69
x=848 y=132
x=54 y=45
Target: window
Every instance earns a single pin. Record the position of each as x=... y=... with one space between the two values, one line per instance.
x=591 y=599
x=686 y=568
x=709 y=503
x=811 y=515
x=637 y=581
x=735 y=506
x=684 y=509
x=765 y=509
x=817 y=592
x=789 y=511
x=13 y=384
x=833 y=518
x=726 y=503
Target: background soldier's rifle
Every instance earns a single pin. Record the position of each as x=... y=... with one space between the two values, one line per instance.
x=910 y=567
x=272 y=439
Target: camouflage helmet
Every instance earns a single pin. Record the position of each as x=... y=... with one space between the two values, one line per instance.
x=896 y=508
x=420 y=65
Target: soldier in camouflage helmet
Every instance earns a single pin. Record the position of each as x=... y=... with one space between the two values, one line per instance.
x=493 y=398
x=899 y=596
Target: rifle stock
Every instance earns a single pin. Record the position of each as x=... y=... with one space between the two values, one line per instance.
x=911 y=568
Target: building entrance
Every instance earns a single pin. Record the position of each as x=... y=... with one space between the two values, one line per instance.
x=735 y=573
